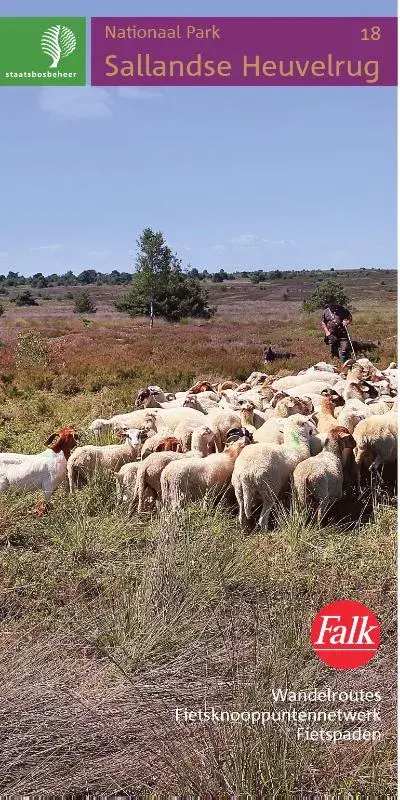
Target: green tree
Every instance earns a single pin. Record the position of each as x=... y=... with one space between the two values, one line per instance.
x=160 y=287
x=84 y=304
x=38 y=281
x=258 y=276
x=327 y=292
x=87 y=276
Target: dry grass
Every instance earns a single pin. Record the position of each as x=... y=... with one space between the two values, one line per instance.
x=109 y=625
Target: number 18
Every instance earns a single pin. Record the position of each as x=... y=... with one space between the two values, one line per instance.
x=373 y=34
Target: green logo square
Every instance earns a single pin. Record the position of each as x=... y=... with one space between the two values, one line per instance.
x=42 y=51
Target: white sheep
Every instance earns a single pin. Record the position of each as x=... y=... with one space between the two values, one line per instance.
x=285 y=408
x=274 y=434
x=125 y=480
x=90 y=458
x=153 y=442
x=262 y=470
x=237 y=402
x=165 y=418
x=381 y=406
x=376 y=439
x=132 y=419
x=148 y=480
x=306 y=389
x=321 y=476
x=191 y=479
x=220 y=423
x=45 y=470
x=352 y=413
x=315 y=376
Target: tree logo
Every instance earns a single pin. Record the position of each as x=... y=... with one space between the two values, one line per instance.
x=58 y=42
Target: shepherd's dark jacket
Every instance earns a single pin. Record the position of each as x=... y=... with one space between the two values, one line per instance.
x=333 y=319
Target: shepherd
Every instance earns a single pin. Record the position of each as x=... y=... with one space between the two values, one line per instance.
x=335 y=320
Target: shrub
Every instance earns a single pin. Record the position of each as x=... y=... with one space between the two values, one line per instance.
x=25 y=299
x=66 y=384
x=84 y=304
x=327 y=292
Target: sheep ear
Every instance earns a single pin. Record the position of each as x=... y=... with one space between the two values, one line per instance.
x=51 y=439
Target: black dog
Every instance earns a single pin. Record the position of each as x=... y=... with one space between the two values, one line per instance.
x=271 y=355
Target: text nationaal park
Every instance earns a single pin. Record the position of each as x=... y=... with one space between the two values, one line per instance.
x=238 y=51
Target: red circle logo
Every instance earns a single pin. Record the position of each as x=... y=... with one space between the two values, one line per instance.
x=345 y=634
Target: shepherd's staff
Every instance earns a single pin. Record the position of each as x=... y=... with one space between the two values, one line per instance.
x=351 y=343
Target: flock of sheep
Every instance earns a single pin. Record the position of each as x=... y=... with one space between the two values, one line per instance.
x=319 y=431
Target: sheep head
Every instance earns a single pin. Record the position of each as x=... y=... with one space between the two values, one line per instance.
x=147 y=396
x=150 y=421
x=235 y=447
x=98 y=425
x=190 y=401
x=335 y=398
x=279 y=395
x=204 y=435
x=135 y=436
x=343 y=437
x=169 y=444
x=234 y=434
x=64 y=440
x=201 y=386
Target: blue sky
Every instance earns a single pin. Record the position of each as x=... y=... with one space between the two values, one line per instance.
x=234 y=177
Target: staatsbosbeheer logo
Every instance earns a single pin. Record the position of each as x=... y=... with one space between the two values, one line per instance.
x=58 y=42
x=345 y=634
x=42 y=51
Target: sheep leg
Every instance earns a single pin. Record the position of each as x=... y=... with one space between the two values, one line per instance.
x=265 y=512
x=71 y=478
x=357 y=481
x=376 y=463
x=240 y=501
x=322 y=509
x=48 y=491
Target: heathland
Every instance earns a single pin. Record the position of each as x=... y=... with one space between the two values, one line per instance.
x=111 y=622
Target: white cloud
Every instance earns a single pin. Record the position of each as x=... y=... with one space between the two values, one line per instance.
x=88 y=102
x=219 y=247
x=3 y=253
x=247 y=240
x=47 y=247
x=250 y=240
x=137 y=93
x=76 y=102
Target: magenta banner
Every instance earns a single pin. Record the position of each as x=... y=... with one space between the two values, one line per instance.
x=244 y=51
